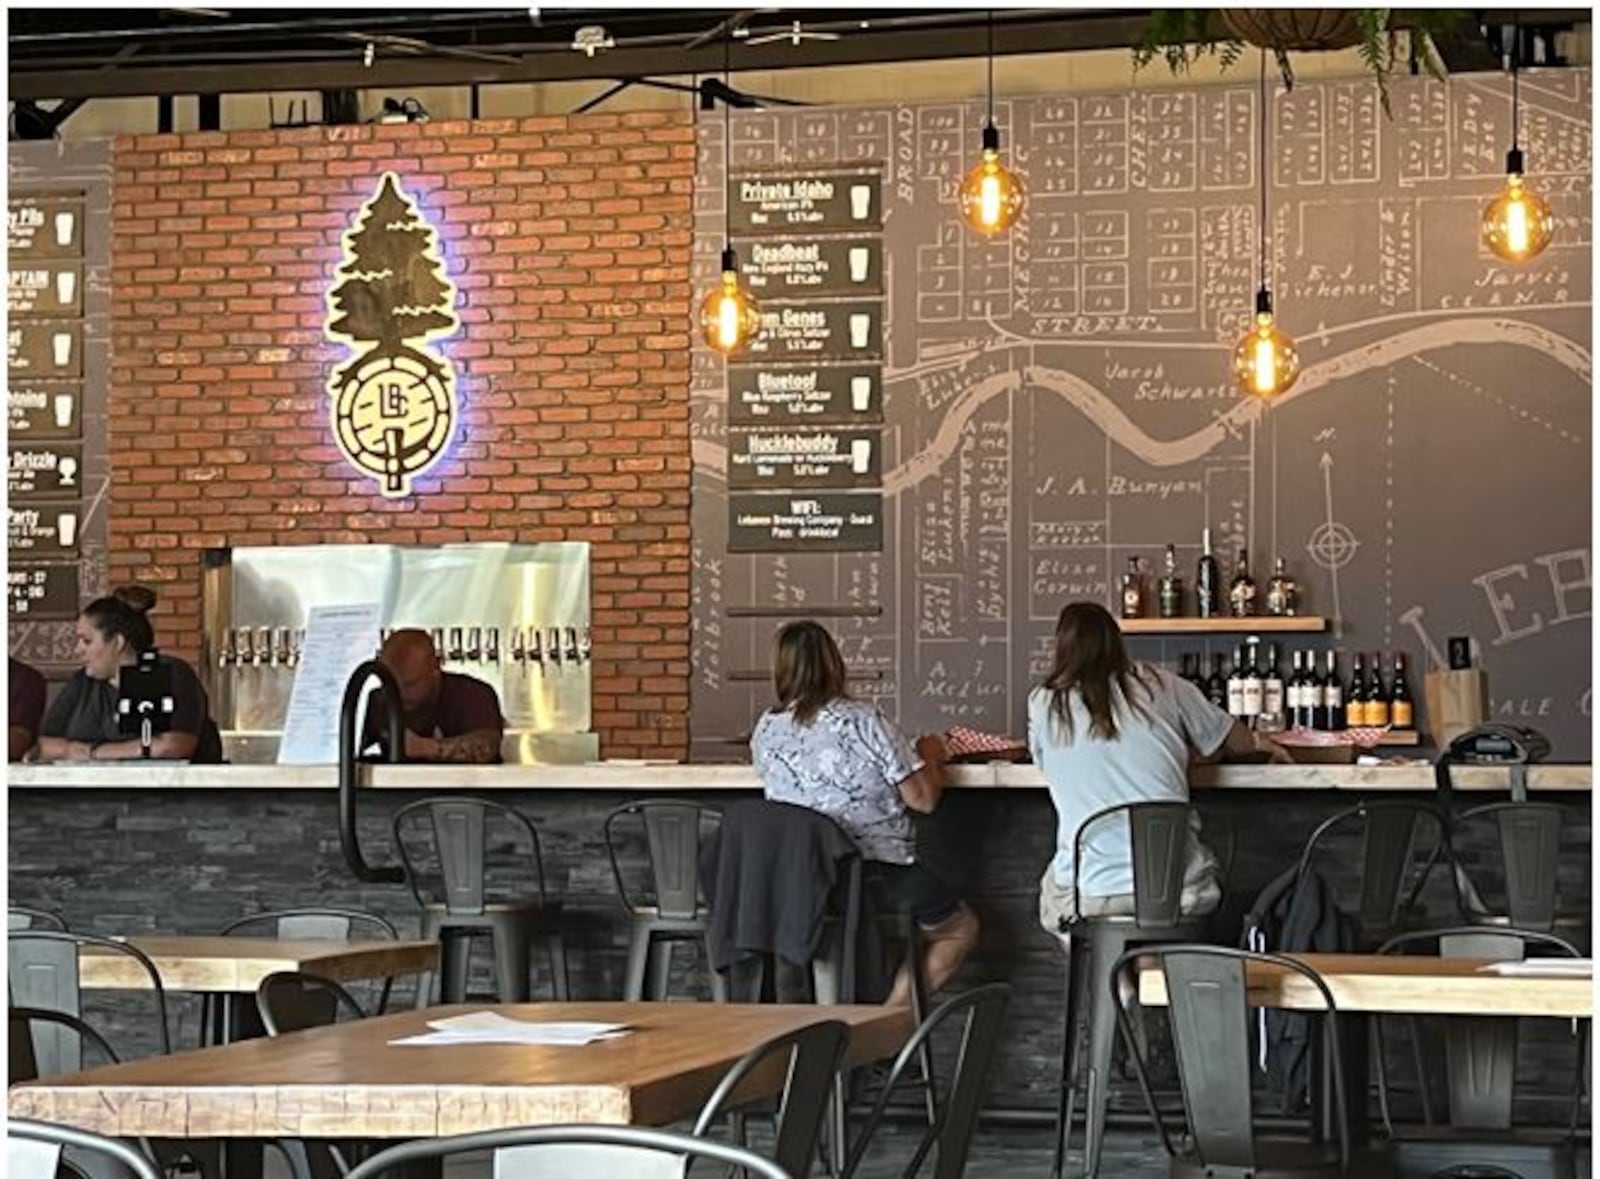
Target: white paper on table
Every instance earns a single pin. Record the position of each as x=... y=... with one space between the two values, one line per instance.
x=489 y=1027
x=338 y=640
x=1543 y=967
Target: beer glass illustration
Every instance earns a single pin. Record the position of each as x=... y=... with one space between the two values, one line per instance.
x=61 y=348
x=63 y=408
x=861 y=455
x=860 y=201
x=860 y=394
x=65 y=222
x=860 y=330
x=860 y=260
x=67 y=528
x=68 y=471
x=66 y=287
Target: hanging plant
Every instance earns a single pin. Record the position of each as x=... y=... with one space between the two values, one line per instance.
x=1183 y=36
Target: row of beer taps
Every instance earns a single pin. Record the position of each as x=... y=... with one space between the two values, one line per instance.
x=282 y=646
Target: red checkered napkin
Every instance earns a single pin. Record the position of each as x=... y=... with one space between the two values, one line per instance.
x=961 y=741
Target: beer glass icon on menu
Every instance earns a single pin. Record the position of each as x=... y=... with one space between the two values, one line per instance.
x=68 y=471
x=860 y=263
x=860 y=201
x=63 y=408
x=66 y=287
x=861 y=455
x=61 y=349
x=860 y=330
x=67 y=528
x=65 y=222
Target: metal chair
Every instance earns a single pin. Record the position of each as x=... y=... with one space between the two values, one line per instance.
x=23 y=1061
x=671 y=909
x=1519 y=886
x=605 y=1150
x=1209 y=1009
x=1160 y=836
x=23 y=917
x=1480 y=1059
x=43 y=971
x=813 y=1054
x=36 y=1149
x=1393 y=834
x=957 y=1115
x=454 y=833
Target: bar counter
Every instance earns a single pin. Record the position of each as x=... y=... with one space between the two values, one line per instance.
x=139 y=849
x=669 y=777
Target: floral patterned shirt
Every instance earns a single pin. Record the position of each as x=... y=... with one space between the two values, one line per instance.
x=847 y=764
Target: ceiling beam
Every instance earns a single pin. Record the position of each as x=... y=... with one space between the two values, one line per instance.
x=1044 y=35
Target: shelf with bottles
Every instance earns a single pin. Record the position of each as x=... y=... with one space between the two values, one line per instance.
x=1256 y=624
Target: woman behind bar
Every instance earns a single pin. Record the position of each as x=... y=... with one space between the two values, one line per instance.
x=820 y=749
x=1105 y=730
x=82 y=723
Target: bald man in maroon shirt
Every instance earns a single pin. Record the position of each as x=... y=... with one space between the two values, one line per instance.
x=447 y=717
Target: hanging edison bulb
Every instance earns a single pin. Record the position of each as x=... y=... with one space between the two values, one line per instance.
x=1517 y=224
x=992 y=194
x=729 y=317
x=1266 y=361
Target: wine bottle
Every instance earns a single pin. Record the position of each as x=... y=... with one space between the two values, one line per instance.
x=1216 y=682
x=1317 y=694
x=1169 y=592
x=1402 y=711
x=1356 y=696
x=1242 y=593
x=1253 y=687
x=1207 y=580
x=1283 y=595
x=1377 y=710
x=1236 y=685
x=1272 y=692
x=1293 y=690
x=1133 y=590
x=1332 y=698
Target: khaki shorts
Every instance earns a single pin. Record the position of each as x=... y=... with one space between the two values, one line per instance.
x=1202 y=893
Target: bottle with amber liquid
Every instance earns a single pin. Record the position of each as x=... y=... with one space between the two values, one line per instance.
x=1402 y=710
x=1169 y=590
x=1283 y=595
x=1133 y=590
x=1377 y=710
x=1355 y=698
x=1242 y=594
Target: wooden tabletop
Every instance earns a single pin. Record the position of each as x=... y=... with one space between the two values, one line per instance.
x=238 y=964
x=1418 y=985
x=348 y=1081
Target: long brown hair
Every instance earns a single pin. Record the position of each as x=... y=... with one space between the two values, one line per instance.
x=807 y=670
x=1091 y=658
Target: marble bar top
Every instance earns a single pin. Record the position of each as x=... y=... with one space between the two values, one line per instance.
x=669 y=777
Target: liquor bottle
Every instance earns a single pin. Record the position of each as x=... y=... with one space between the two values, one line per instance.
x=1292 y=690
x=1377 y=710
x=1216 y=683
x=1242 y=593
x=1236 y=685
x=1283 y=595
x=1333 y=704
x=1402 y=711
x=1207 y=580
x=1272 y=693
x=1133 y=590
x=1312 y=697
x=1355 y=698
x=1253 y=687
x=1169 y=592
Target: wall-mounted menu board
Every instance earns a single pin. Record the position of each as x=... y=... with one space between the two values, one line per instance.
x=1056 y=399
x=58 y=267
x=805 y=523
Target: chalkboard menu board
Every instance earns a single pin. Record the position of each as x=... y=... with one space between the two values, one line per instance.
x=805 y=403
x=57 y=361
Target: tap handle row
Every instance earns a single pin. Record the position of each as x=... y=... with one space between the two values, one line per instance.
x=282 y=646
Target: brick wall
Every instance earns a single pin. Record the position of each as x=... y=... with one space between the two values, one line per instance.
x=569 y=242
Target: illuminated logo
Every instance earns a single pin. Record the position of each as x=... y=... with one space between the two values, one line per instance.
x=394 y=401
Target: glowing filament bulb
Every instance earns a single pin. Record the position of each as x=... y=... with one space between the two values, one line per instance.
x=1265 y=362
x=1266 y=365
x=1517 y=224
x=729 y=317
x=991 y=195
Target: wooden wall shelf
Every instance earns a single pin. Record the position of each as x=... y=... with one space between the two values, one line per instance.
x=1401 y=737
x=1304 y=624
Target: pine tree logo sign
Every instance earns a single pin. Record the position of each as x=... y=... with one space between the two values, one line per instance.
x=394 y=401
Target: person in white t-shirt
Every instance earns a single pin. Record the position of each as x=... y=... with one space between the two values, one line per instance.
x=1106 y=730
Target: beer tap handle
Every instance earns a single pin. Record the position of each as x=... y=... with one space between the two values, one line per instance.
x=456 y=651
x=491 y=644
x=474 y=644
x=572 y=644
x=536 y=644
x=278 y=654
x=585 y=645
x=227 y=652
x=297 y=645
x=519 y=652
x=553 y=645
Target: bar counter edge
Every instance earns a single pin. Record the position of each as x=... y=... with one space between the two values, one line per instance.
x=670 y=777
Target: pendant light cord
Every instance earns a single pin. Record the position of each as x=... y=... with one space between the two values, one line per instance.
x=1516 y=52
x=991 y=66
x=727 y=136
x=1261 y=228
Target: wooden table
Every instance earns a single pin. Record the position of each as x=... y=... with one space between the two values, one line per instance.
x=236 y=965
x=347 y=1081
x=1402 y=984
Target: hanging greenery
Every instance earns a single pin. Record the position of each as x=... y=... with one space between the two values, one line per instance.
x=1183 y=36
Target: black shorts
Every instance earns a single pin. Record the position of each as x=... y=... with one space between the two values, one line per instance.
x=911 y=888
